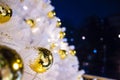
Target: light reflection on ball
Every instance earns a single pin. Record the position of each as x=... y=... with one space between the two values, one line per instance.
x=11 y=65
x=43 y=61
x=5 y=13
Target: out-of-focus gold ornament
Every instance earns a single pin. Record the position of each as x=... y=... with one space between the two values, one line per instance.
x=79 y=77
x=52 y=46
x=58 y=23
x=62 y=35
x=63 y=54
x=43 y=61
x=11 y=65
x=5 y=13
x=72 y=52
x=30 y=22
x=21 y=0
x=51 y=14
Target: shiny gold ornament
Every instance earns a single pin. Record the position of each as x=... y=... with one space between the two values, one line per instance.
x=5 y=13
x=43 y=61
x=62 y=35
x=30 y=22
x=58 y=23
x=63 y=54
x=11 y=65
x=72 y=52
x=51 y=14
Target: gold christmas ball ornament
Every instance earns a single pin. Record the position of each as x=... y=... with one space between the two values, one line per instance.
x=5 y=13
x=11 y=65
x=43 y=61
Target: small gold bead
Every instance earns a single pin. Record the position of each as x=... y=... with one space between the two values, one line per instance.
x=30 y=22
x=62 y=35
x=51 y=14
x=58 y=23
x=63 y=54
x=72 y=52
x=52 y=46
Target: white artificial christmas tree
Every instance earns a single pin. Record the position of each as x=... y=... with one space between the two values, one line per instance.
x=31 y=28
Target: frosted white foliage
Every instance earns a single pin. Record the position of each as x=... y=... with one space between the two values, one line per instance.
x=17 y=34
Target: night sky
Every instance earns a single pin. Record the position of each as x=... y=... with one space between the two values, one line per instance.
x=76 y=11
x=93 y=26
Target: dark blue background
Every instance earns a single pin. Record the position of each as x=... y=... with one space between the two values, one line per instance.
x=99 y=22
x=75 y=11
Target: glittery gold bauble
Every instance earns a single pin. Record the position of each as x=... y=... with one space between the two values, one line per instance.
x=5 y=13
x=30 y=22
x=63 y=54
x=11 y=65
x=51 y=14
x=43 y=61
